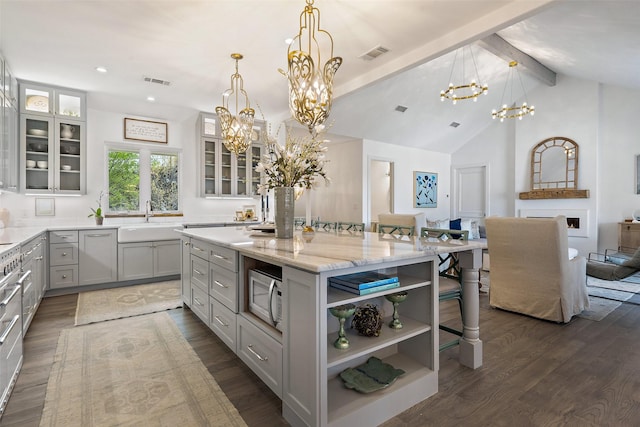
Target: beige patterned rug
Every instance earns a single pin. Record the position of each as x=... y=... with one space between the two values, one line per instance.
x=138 y=371
x=127 y=301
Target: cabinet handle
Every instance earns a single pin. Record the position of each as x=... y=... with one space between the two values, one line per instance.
x=98 y=235
x=197 y=248
x=226 y=325
x=220 y=257
x=198 y=272
x=187 y=243
x=261 y=358
x=197 y=301
x=39 y=258
x=64 y=254
x=6 y=332
x=220 y=284
x=64 y=276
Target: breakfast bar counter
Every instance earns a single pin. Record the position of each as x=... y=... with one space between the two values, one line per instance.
x=310 y=376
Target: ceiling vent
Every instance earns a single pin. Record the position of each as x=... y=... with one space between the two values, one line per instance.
x=374 y=53
x=454 y=124
x=401 y=108
x=158 y=81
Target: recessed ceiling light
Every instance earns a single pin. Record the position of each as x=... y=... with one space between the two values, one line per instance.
x=150 y=98
x=401 y=108
x=454 y=124
x=101 y=69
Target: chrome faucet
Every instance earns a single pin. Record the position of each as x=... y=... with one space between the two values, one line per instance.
x=148 y=213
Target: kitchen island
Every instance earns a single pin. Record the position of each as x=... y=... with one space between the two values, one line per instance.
x=298 y=360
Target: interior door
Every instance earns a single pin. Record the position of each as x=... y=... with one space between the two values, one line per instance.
x=380 y=189
x=470 y=192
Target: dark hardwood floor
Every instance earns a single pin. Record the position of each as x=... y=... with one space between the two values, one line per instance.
x=535 y=373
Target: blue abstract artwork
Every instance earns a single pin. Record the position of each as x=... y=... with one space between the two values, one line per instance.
x=425 y=191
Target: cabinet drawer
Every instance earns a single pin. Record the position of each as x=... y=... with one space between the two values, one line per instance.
x=223 y=322
x=200 y=273
x=63 y=276
x=261 y=353
x=200 y=303
x=63 y=253
x=223 y=285
x=67 y=236
x=224 y=257
x=200 y=249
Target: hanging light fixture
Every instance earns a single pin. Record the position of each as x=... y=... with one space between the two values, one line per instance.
x=310 y=73
x=471 y=90
x=515 y=111
x=236 y=130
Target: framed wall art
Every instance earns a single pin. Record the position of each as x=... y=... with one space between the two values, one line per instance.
x=425 y=190
x=145 y=130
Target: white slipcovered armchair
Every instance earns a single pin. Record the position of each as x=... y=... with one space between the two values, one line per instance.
x=531 y=272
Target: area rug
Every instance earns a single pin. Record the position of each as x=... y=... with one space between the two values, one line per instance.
x=599 y=308
x=138 y=371
x=127 y=301
x=614 y=290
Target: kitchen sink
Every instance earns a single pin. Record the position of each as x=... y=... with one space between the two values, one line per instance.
x=148 y=231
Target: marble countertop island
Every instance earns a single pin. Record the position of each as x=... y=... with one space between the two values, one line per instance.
x=326 y=251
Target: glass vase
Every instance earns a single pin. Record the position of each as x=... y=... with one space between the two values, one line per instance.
x=284 y=203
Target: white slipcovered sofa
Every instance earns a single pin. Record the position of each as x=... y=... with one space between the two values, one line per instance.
x=531 y=272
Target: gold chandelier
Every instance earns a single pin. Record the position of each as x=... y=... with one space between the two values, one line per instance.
x=471 y=90
x=236 y=130
x=310 y=77
x=513 y=112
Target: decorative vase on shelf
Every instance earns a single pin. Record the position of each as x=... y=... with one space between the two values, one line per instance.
x=284 y=201
x=66 y=131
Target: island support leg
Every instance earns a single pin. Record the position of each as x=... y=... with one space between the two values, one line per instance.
x=470 y=343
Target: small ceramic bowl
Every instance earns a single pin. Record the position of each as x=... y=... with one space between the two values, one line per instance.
x=42 y=164
x=31 y=163
x=66 y=167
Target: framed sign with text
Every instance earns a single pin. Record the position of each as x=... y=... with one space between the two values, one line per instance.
x=145 y=130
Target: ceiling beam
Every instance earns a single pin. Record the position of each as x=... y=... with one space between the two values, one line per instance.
x=502 y=49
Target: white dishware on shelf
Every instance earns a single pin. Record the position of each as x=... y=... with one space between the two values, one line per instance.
x=66 y=167
x=42 y=164
x=37 y=132
x=31 y=163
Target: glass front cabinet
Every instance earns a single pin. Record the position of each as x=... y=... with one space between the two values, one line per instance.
x=222 y=172
x=52 y=140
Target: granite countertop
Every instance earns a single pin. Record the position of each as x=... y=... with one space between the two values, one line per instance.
x=322 y=251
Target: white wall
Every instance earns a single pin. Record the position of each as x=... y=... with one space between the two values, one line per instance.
x=406 y=160
x=600 y=118
x=105 y=119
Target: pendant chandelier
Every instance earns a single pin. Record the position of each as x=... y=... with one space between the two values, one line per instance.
x=311 y=70
x=236 y=130
x=471 y=90
x=513 y=112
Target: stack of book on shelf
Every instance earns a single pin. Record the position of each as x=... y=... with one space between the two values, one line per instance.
x=364 y=283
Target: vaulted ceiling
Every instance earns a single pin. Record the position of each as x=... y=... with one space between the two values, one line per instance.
x=189 y=43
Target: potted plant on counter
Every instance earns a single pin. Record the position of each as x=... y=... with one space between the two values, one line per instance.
x=97 y=213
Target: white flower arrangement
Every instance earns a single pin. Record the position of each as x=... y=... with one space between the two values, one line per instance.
x=297 y=163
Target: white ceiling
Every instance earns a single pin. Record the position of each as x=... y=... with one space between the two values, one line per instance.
x=189 y=44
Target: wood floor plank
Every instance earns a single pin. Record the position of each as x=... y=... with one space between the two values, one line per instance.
x=535 y=373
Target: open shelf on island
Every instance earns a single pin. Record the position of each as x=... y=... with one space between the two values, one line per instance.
x=349 y=407
x=337 y=297
x=360 y=345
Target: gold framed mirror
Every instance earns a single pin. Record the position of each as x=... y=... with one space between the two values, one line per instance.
x=554 y=170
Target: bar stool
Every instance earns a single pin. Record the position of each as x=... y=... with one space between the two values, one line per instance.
x=356 y=227
x=400 y=230
x=325 y=226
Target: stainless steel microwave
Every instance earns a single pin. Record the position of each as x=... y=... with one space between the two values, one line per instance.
x=265 y=296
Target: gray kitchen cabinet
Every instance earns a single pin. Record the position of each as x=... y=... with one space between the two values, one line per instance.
x=52 y=140
x=33 y=290
x=222 y=173
x=185 y=270
x=166 y=258
x=98 y=256
x=143 y=260
x=63 y=259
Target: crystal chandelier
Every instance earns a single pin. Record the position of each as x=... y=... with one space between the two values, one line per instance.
x=310 y=73
x=236 y=130
x=471 y=90
x=515 y=111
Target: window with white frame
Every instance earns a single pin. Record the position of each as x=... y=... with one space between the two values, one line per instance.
x=137 y=174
